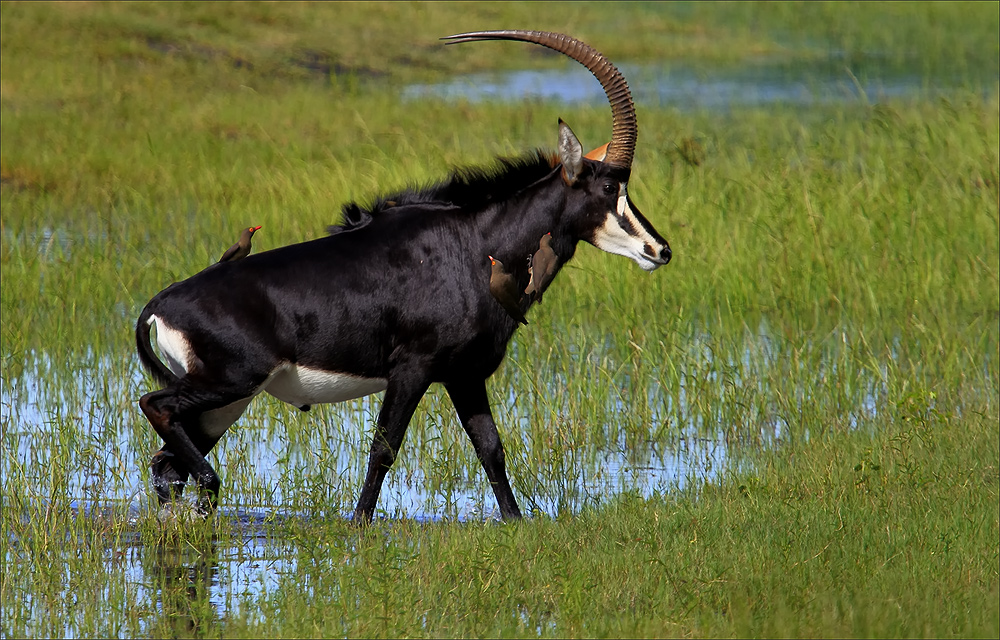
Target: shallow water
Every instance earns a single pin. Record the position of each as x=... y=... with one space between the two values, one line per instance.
x=181 y=584
x=280 y=463
x=74 y=433
x=51 y=415
x=576 y=433
x=758 y=82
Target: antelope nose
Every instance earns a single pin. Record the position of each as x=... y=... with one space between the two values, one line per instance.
x=665 y=253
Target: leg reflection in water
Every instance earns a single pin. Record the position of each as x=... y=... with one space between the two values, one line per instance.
x=180 y=574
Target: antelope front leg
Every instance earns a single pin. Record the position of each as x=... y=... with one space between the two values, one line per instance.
x=473 y=408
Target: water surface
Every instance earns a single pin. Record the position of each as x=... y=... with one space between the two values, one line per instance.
x=758 y=82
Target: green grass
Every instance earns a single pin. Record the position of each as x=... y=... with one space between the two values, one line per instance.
x=830 y=323
x=819 y=547
x=852 y=535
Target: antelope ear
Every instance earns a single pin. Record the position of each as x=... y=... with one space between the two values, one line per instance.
x=570 y=153
x=599 y=153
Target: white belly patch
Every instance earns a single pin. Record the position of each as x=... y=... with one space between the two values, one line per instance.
x=215 y=423
x=173 y=345
x=302 y=386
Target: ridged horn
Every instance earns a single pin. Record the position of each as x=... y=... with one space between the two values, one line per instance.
x=624 y=128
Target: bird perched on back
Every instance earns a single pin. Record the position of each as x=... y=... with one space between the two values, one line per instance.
x=242 y=247
x=504 y=288
x=543 y=268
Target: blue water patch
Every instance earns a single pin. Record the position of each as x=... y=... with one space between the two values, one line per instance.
x=754 y=84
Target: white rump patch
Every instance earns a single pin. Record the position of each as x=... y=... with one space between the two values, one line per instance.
x=173 y=345
x=301 y=386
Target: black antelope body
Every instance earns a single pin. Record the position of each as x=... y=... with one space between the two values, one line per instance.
x=394 y=299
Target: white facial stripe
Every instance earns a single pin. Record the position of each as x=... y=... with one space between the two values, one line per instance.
x=613 y=238
x=174 y=345
x=299 y=386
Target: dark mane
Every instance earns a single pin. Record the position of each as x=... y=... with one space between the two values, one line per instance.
x=470 y=188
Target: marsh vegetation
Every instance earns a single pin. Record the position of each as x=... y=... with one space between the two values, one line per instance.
x=792 y=429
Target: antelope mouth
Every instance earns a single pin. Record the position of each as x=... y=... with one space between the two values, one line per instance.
x=619 y=244
x=649 y=263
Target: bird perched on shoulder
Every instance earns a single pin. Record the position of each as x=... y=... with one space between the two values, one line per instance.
x=504 y=288
x=543 y=268
x=242 y=247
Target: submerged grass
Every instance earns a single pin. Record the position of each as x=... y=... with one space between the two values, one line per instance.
x=852 y=534
x=820 y=359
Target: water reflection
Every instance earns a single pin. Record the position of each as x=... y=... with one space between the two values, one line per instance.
x=181 y=577
x=189 y=580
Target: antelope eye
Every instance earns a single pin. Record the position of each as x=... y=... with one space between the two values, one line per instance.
x=610 y=189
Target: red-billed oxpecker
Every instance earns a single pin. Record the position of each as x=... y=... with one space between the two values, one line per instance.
x=242 y=247
x=544 y=265
x=504 y=288
x=393 y=299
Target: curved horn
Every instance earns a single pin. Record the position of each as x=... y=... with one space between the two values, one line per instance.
x=624 y=128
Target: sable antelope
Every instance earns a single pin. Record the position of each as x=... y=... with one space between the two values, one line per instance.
x=242 y=247
x=393 y=299
x=504 y=288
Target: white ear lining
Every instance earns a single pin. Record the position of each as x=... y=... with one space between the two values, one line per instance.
x=570 y=152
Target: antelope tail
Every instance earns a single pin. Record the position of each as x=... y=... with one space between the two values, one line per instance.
x=150 y=362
